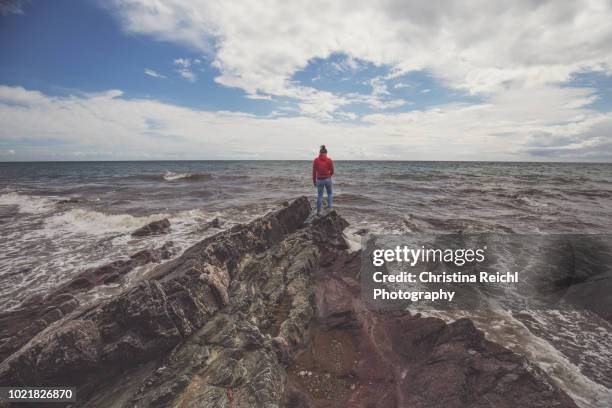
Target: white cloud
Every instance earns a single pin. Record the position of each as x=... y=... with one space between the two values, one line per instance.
x=153 y=73
x=185 y=68
x=378 y=99
x=183 y=62
x=513 y=55
x=260 y=97
x=512 y=126
x=480 y=46
x=187 y=74
x=347 y=64
x=20 y=96
x=379 y=87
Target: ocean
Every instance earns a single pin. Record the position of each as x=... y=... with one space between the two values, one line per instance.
x=59 y=218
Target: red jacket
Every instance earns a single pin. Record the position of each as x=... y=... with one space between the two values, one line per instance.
x=322 y=168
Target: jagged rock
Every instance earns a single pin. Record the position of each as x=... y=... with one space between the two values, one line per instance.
x=36 y=313
x=114 y=271
x=215 y=223
x=154 y=228
x=180 y=297
x=235 y=319
x=363 y=358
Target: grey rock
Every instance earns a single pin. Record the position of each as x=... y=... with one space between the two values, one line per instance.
x=37 y=313
x=154 y=228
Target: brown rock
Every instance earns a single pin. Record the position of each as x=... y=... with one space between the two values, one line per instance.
x=400 y=360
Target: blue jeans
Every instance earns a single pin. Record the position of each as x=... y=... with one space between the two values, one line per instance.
x=327 y=183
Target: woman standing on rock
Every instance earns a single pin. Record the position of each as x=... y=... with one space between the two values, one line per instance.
x=322 y=172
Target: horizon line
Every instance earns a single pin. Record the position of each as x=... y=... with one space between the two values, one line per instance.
x=304 y=160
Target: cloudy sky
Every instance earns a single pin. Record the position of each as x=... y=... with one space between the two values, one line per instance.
x=263 y=79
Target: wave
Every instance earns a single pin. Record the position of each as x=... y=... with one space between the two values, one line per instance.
x=533 y=178
x=172 y=176
x=590 y=193
x=525 y=198
x=473 y=191
x=353 y=241
x=415 y=223
x=235 y=177
x=184 y=176
x=515 y=194
x=356 y=199
x=27 y=203
x=529 y=201
x=90 y=222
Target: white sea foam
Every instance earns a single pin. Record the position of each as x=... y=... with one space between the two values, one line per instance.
x=531 y=202
x=170 y=175
x=191 y=216
x=26 y=203
x=353 y=241
x=96 y=223
x=74 y=240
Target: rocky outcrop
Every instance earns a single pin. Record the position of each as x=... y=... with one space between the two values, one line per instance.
x=38 y=312
x=362 y=358
x=215 y=223
x=176 y=302
x=268 y=314
x=153 y=228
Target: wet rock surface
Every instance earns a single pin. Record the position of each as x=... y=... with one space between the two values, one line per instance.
x=215 y=223
x=363 y=358
x=18 y=326
x=268 y=314
x=154 y=228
